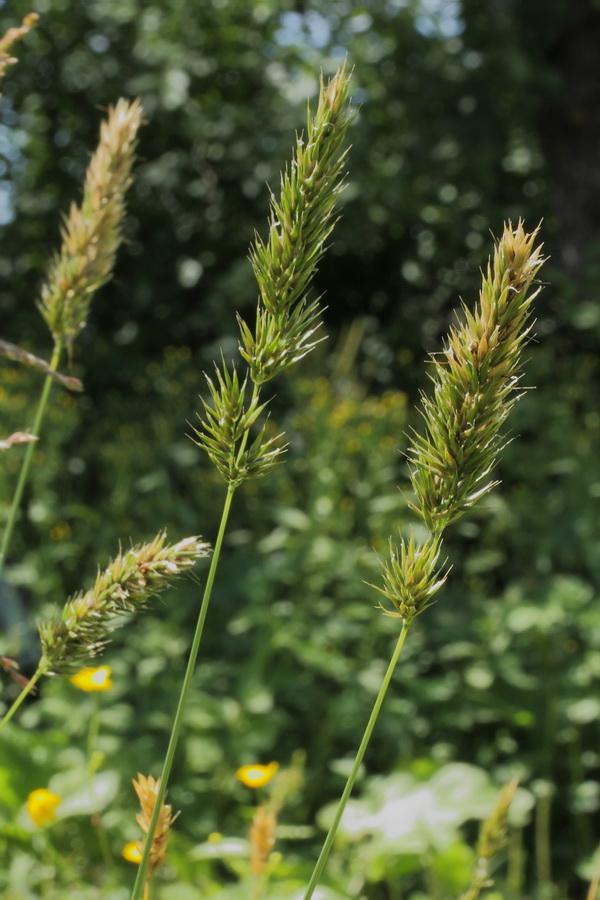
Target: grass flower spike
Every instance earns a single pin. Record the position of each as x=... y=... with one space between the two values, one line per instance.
x=147 y=791
x=225 y=426
x=255 y=776
x=286 y=322
x=301 y=222
x=91 y=236
x=493 y=836
x=262 y=839
x=90 y=679
x=92 y=232
x=475 y=386
x=87 y=619
x=41 y=806
x=11 y=37
x=125 y=586
x=410 y=577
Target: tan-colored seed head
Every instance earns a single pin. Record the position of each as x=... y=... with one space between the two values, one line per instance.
x=147 y=791
x=262 y=838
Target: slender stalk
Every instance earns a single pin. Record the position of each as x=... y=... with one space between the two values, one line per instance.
x=140 y=880
x=320 y=865
x=93 y=730
x=542 y=841
x=257 y=883
x=593 y=889
x=516 y=863
x=26 y=690
x=35 y=429
x=103 y=844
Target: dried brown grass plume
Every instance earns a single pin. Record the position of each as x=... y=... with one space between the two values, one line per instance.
x=92 y=232
x=147 y=791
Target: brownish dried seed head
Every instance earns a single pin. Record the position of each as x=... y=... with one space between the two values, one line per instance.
x=11 y=37
x=92 y=233
x=262 y=838
x=147 y=792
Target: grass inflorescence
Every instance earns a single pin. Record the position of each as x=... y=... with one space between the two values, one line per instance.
x=125 y=586
x=92 y=232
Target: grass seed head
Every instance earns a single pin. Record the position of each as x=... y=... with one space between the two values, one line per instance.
x=147 y=792
x=11 y=37
x=301 y=221
x=262 y=838
x=125 y=586
x=411 y=577
x=92 y=232
x=475 y=385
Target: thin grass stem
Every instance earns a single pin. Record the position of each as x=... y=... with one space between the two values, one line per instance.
x=104 y=845
x=542 y=842
x=320 y=864
x=23 y=475
x=141 y=877
x=595 y=881
x=256 y=886
x=93 y=730
x=26 y=690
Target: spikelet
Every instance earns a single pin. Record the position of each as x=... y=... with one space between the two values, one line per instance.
x=262 y=838
x=300 y=224
x=410 y=577
x=125 y=586
x=492 y=838
x=19 y=437
x=286 y=319
x=476 y=384
x=92 y=232
x=12 y=351
x=11 y=37
x=147 y=792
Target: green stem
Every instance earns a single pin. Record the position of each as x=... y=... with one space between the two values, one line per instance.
x=516 y=863
x=320 y=865
x=26 y=690
x=103 y=844
x=185 y=689
x=542 y=841
x=92 y=736
x=257 y=882
x=35 y=429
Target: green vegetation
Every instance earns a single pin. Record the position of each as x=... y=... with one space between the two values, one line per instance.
x=462 y=124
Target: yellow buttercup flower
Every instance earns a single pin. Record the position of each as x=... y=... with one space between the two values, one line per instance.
x=256 y=776
x=131 y=852
x=92 y=679
x=41 y=806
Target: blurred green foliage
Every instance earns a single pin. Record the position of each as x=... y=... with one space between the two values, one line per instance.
x=469 y=114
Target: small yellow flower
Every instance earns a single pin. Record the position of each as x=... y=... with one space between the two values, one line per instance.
x=41 y=805
x=131 y=852
x=93 y=679
x=257 y=776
